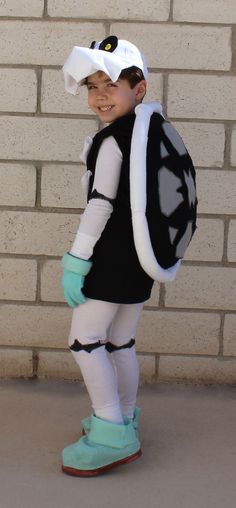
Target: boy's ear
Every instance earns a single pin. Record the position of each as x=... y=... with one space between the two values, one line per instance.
x=141 y=89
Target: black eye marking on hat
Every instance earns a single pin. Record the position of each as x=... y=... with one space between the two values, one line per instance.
x=92 y=45
x=109 y=44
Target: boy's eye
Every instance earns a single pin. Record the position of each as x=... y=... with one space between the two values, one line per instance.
x=94 y=87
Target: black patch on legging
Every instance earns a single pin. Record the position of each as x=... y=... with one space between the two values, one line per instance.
x=111 y=347
x=97 y=195
x=77 y=346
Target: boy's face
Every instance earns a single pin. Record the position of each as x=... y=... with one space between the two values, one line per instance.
x=112 y=100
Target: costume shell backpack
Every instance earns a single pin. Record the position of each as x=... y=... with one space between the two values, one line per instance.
x=162 y=193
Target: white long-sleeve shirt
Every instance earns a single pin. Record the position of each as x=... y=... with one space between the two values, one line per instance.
x=98 y=210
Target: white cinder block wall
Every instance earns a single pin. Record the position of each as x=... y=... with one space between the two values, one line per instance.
x=188 y=329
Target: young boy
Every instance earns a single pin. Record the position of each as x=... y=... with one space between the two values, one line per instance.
x=104 y=278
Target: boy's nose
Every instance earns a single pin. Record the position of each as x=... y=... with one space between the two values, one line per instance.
x=101 y=94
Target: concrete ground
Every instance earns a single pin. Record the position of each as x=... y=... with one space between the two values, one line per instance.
x=188 y=438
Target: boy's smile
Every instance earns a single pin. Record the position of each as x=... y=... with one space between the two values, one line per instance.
x=112 y=100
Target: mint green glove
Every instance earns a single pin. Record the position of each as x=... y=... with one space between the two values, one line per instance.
x=72 y=281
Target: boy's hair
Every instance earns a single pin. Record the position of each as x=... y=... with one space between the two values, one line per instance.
x=133 y=75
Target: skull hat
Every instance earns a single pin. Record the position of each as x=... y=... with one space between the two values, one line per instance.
x=112 y=56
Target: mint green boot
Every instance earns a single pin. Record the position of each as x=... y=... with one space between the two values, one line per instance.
x=106 y=446
x=86 y=422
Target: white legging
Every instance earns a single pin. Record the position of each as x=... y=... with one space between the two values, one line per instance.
x=111 y=378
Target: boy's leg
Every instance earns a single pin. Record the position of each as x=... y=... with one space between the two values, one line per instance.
x=90 y=324
x=121 y=346
x=111 y=440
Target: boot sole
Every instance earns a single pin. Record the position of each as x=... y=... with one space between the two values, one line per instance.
x=95 y=472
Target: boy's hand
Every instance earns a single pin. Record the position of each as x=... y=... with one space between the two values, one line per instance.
x=72 y=284
x=73 y=277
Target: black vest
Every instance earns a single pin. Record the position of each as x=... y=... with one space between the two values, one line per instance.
x=116 y=275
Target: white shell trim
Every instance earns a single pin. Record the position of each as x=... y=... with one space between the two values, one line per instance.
x=138 y=197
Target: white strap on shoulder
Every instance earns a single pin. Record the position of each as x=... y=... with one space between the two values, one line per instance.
x=138 y=198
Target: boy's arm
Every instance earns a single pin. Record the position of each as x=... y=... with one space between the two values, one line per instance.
x=99 y=207
x=76 y=263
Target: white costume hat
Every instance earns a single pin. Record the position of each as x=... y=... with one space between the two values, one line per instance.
x=111 y=56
